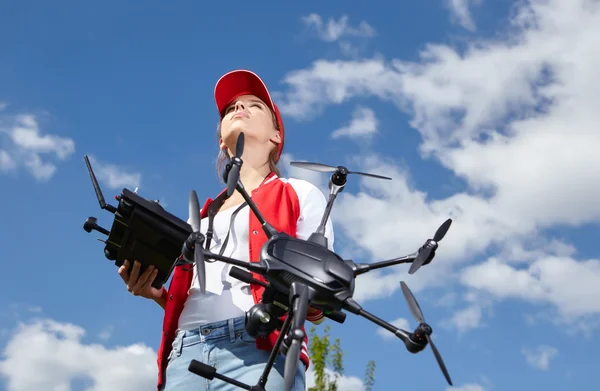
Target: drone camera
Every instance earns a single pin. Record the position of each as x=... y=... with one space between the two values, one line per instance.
x=262 y=319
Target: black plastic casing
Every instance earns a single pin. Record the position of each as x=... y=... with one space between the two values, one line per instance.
x=144 y=231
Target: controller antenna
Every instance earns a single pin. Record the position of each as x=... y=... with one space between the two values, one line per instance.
x=99 y=195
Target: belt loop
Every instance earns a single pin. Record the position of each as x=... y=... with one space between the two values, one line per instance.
x=231 y=324
x=179 y=343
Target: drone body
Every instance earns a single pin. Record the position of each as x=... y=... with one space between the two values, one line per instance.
x=298 y=274
x=322 y=270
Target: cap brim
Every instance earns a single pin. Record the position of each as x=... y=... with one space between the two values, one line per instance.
x=237 y=83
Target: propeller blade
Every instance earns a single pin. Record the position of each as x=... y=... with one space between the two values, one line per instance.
x=371 y=175
x=430 y=246
x=414 y=307
x=239 y=145
x=420 y=260
x=232 y=179
x=199 y=260
x=314 y=166
x=441 y=232
x=194 y=210
x=234 y=172
x=438 y=357
x=326 y=168
x=291 y=364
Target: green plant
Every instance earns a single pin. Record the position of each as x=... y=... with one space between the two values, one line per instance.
x=324 y=355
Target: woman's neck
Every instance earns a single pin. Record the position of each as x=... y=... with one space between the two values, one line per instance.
x=252 y=177
x=255 y=165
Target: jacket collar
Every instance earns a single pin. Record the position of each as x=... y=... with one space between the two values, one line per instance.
x=221 y=196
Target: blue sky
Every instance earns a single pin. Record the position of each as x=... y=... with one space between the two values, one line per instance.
x=448 y=98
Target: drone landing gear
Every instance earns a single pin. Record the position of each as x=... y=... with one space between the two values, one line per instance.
x=210 y=373
x=289 y=342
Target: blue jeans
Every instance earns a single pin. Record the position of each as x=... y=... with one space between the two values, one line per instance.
x=226 y=346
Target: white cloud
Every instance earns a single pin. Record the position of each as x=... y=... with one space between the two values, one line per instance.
x=26 y=134
x=363 y=124
x=570 y=285
x=461 y=14
x=27 y=144
x=515 y=117
x=467 y=387
x=335 y=82
x=7 y=163
x=114 y=176
x=340 y=32
x=105 y=334
x=334 y=30
x=60 y=356
x=467 y=318
x=346 y=383
x=540 y=357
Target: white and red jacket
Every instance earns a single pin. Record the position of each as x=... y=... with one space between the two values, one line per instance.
x=292 y=206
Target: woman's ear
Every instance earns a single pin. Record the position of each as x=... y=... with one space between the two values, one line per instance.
x=222 y=144
x=276 y=137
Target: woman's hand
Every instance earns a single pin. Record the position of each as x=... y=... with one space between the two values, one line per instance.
x=140 y=285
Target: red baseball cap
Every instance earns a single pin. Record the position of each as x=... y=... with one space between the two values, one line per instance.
x=244 y=82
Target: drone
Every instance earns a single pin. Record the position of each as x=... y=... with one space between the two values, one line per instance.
x=301 y=273
x=297 y=274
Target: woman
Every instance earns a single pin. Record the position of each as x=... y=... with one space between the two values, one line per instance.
x=209 y=326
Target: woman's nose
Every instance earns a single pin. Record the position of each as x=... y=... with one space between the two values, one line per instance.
x=239 y=106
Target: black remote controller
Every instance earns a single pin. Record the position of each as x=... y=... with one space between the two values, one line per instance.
x=142 y=230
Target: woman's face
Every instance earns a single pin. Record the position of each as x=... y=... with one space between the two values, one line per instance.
x=252 y=116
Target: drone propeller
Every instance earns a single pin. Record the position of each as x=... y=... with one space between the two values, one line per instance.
x=236 y=163
x=196 y=239
x=429 y=248
x=424 y=329
x=325 y=168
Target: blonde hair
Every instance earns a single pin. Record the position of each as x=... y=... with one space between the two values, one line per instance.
x=223 y=157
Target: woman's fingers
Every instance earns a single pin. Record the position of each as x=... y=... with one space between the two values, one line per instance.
x=144 y=280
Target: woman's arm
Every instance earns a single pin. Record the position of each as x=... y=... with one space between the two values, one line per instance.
x=162 y=300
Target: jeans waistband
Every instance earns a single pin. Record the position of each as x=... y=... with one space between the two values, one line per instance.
x=224 y=328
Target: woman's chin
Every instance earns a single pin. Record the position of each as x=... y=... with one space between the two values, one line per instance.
x=234 y=132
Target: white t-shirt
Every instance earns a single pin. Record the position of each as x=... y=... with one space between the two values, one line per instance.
x=227 y=297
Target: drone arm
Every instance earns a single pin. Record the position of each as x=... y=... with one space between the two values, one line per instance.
x=351 y=305
x=325 y=217
x=267 y=228
x=362 y=268
x=314 y=224
x=257 y=267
